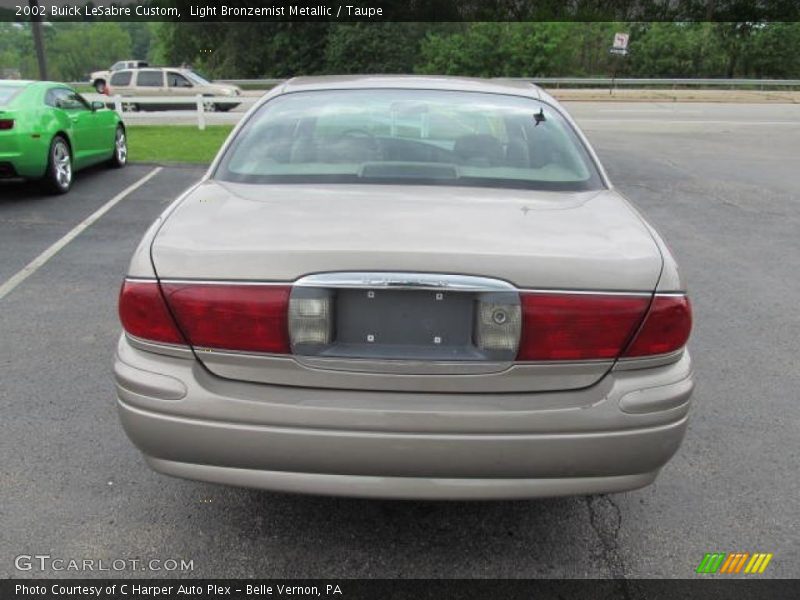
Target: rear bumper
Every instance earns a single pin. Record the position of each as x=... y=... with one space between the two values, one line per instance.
x=7 y=170
x=403 y=488
x=28 y=165
x=189 y=423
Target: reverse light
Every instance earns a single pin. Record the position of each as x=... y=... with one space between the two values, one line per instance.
x=497 y=326
x=310 y=317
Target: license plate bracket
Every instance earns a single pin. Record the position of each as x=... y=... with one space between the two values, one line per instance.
x=413 y=320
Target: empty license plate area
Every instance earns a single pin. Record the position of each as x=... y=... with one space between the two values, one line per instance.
x=403 y=324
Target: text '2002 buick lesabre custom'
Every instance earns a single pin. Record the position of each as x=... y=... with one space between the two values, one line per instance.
x=405 y=287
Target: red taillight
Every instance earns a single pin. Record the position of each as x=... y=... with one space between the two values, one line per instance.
x=145 y=315
x=578 y=326
x=6 y=124
x=247 y=318
x=666 y=327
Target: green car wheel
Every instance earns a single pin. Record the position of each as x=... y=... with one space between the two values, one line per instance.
x=59 y=168
x=120 y=157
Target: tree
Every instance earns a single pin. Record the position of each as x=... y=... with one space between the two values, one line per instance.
x=11 y=45
x=772 y=51
x=491 y=49
x=76 y=49
x=675 y=50
x=249 y=49
x=374 y=47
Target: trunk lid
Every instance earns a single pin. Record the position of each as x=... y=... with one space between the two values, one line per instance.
x=531 y=239
x=584 y=240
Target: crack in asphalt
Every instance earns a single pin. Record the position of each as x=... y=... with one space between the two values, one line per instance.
x=607 y=527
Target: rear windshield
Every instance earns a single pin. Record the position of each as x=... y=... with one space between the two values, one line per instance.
x=409 y=136
x=7 y=92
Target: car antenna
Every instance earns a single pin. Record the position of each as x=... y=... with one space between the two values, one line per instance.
x=539 y=117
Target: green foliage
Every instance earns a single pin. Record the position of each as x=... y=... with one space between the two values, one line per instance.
x=245 y=50
x=73 y=49
x=141 y=34
x=490 y=49
x=675 y=50
x=374 y=47
x=14 y=41
x=79 y=48
x=772 y=52
x=500 y=50
x=660 y=49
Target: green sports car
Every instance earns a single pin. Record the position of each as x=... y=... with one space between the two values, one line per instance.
x=48 y=131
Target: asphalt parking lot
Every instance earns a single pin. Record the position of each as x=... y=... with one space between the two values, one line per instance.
x=725 y=193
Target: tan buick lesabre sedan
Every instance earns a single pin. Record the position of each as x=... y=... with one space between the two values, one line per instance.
x=405 y=287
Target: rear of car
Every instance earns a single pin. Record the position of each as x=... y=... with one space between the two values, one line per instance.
x=409 y=288
x=18 y=149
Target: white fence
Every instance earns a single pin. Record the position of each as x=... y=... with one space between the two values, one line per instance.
x=131 y=107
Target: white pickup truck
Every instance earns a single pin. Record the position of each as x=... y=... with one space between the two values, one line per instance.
x=99 y=79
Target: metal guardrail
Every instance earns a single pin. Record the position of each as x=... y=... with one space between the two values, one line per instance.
x=602 y=81
x=264 y=82
x=663 y=81
x=584 y=81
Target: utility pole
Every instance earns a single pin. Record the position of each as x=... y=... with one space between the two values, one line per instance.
x=38 y=39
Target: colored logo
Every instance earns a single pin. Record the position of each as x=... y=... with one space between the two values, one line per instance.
x=734 y=562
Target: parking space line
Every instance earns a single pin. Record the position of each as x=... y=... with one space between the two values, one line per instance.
x=42 y=259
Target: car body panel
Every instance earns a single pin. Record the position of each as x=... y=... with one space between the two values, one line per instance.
x=444 y=446
x=404 y=428
x=543 y=240
x=90 y=132
x=547 y=240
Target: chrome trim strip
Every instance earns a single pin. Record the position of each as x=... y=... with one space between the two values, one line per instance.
x=403 y=367
x=671 y=294
x=177 y=350
x=631 y=363
x=228 y=282
x=405 y=281
x=310 y=360
x=584 y=292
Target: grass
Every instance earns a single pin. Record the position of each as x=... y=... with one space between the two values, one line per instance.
x=175 y=143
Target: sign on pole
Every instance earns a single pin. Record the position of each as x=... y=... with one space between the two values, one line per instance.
x=620 y=48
